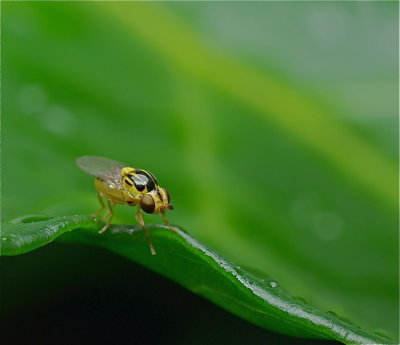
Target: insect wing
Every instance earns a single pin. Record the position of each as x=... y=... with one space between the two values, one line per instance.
x=101 y=167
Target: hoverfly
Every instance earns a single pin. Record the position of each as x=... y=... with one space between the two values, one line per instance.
x=120 y=184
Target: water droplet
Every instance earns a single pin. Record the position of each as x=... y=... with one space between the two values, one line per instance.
x=29 y=219
x=300 y=300
x=339 y=317
x=273 y=283
x=331 y=314
x=4 y=238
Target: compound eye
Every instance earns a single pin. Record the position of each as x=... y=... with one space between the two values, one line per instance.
x=147 y=203
x=168 y=196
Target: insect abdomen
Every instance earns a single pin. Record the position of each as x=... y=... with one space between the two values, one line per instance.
x=115 y=195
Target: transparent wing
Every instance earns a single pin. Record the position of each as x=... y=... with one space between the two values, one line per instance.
x=104 y=168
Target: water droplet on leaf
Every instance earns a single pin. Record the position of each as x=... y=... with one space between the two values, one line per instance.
x=331 y=314
x=300 y=300
x=273 y=283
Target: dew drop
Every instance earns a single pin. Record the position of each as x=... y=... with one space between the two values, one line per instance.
x=273 y=283
x=29 y=219
x=331 y=314
x=4 y=238
x=300 y=300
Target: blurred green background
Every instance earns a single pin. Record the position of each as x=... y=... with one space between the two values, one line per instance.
x=273 y=125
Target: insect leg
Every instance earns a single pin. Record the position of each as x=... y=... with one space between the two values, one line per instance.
x=99 y=197
x=139 y=218
x=164 y=217
x=107 y=214
x=111 y=213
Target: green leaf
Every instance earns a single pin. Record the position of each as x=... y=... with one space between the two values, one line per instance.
x=183 y=259
x=273 y=124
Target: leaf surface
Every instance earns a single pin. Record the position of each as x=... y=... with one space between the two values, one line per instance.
x=183 y=259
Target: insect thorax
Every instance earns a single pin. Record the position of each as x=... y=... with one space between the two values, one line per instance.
x=138 y=182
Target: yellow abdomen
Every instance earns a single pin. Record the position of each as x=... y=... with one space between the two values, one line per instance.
x=113 y=194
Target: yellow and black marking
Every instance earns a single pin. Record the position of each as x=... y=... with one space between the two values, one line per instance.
x=138 y=181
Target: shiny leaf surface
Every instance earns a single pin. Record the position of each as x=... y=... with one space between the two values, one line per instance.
x=188 y=262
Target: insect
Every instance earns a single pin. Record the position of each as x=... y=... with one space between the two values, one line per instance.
x=120 y=184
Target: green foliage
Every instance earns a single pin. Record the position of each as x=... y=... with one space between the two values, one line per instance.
x=273 y=127
x=188 y=262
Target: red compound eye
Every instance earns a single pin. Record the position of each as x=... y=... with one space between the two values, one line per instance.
x=147 y=204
